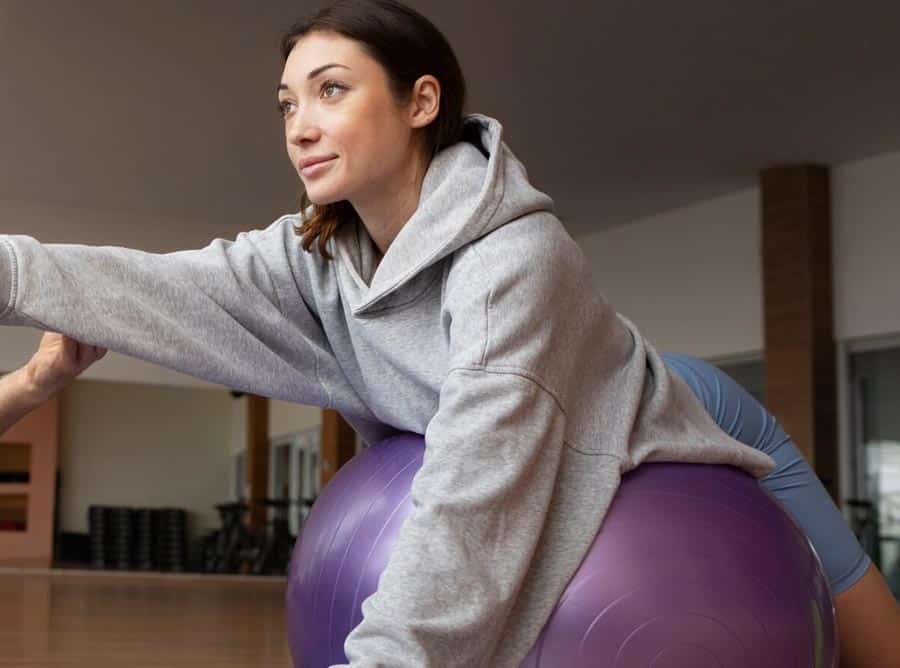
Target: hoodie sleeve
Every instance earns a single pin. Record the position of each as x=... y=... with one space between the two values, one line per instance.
x=228 y=313
x=493 y=451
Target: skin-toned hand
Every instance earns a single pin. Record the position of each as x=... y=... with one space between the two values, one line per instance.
x=58 y=360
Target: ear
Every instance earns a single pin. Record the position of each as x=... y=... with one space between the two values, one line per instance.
x=425 y=101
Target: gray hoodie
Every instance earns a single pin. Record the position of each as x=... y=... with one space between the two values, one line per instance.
x=479 y=328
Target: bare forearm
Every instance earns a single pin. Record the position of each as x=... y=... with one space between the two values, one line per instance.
x=868 y=623
x=18 y=397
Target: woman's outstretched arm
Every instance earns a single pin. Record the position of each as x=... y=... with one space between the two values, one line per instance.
x=56 y=363
x=236 y=313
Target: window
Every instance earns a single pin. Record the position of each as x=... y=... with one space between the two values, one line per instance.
x=240 y=475
x=749 y=374
x=280 y=474
x=314 y=478
x=875 y=396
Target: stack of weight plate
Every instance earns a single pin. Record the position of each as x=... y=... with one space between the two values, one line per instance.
x=98 y=535
x=146 y=531
x=121 y=539
x=171 y=546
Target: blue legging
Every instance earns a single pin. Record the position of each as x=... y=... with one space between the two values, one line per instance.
x=792 y=482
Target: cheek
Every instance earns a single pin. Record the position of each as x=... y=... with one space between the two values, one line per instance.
x=361 y=152
x=380 y=147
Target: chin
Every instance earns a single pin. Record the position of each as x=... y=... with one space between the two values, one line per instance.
x=322 y=197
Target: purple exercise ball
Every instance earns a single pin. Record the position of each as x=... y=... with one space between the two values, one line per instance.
x=695 y=565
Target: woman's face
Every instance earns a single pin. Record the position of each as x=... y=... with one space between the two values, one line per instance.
x=337 y=104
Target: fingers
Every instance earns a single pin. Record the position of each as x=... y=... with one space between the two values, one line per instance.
x=74 y=353
x=51 y=340
x=94 y=353
x=69 y=349
x=88 y=354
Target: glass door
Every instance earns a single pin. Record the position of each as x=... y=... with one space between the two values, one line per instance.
x=875 y=382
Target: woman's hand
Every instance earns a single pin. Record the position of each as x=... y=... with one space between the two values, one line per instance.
x=58 y=360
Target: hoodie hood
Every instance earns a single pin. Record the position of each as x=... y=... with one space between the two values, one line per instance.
x=470 y=189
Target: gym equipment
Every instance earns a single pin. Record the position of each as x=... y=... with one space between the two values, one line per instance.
x=272 y=552
x=144 y=539
x=695 y=565
x=222 y=550
x=235 y=548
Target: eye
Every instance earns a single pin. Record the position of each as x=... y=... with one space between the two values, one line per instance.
x=328 y=85
x=283 y=107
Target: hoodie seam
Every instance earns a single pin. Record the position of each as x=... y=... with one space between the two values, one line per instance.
x=14 y=279
x=312 y=312
x=581 y=450
x=328 y=397
x=487 y=306
x=409 y=302
x=509 y=370
x=257 y=253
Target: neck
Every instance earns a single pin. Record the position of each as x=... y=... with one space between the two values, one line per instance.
x=386 y=211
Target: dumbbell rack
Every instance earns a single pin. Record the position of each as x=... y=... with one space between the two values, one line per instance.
x=146 y=539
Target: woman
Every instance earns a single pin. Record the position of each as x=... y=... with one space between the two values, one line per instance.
x=432 y=290
x=55 y=364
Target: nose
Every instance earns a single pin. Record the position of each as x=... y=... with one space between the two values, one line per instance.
x=301 y=128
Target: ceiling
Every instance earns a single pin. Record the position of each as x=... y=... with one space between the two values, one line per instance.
x=619 y=109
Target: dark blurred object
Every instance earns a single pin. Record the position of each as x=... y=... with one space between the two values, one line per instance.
x=146 y=538
x=73 y=548
x=864 y=523
x=99 y=519
x=171 y=544
x=120 y=540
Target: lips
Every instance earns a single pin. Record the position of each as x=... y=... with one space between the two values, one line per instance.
x=309 y=162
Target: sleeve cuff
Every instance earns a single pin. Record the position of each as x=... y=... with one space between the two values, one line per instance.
x=853 y=575
x=7 y=277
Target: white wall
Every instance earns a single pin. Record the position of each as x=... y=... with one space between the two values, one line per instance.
x=127 y=444
x=131 y=444
x=144 y=445
x=286 y=418
x=691 y=279
x=866 y=214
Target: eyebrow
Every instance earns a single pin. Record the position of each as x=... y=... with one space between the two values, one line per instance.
x=312 y=75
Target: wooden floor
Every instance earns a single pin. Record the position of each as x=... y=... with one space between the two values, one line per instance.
x=68 y=619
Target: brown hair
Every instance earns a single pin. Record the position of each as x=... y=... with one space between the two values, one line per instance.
x=407 y=46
